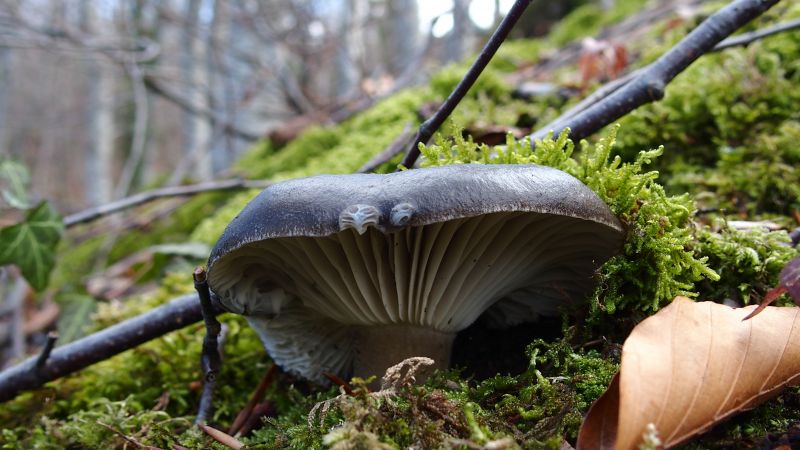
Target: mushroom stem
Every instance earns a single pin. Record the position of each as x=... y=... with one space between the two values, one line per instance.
x=379 y=347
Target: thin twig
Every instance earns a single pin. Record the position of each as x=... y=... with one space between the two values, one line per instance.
x=222 y=437
x=102 y=345
x=430 y=126
x=91 y=214
x=155 y=87
x=241 y=418
x=210 y=359
x=130 y=439
x=748 y=38
x=398 y=145
x=649 y=84
x=263 y=409
x=598 y=95
x=612 y=86
x=52 y=337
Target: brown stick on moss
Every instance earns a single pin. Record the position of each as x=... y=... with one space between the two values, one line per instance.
x=96 y=347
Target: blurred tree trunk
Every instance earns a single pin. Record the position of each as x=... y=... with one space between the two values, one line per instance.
x=219 y=71
x=196 y=129
x=403 y=26
x=6 y=61
x=100 y=106
x=456 y=42
x=133 y=164
x=348 y=36
x=150 y=24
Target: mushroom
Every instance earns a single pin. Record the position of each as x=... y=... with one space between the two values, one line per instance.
x=350 y=274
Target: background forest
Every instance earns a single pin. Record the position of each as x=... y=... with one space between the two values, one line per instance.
x=104 y=100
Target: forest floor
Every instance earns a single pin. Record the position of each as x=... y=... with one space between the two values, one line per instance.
x=705 y=181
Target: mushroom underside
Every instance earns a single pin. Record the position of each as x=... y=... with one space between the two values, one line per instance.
x=440 y=277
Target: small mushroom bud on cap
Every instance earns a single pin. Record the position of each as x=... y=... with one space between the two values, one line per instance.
x=350 y=274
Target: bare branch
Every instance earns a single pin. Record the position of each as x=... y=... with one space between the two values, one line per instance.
x=614 y=85
x=155 y=87
x=102 y=345
x=211 y=359
x=649 y=84
x=748 y=38
x=430 y=126
x=90 y=214
x=398 y=145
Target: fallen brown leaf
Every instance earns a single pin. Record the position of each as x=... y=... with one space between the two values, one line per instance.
x=690 y=366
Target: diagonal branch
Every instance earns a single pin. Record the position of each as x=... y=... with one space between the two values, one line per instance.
x=99 y=346
x=430 y=126
x=90 y=214
x=156 y=88
x=612 y=86
x=649 y=83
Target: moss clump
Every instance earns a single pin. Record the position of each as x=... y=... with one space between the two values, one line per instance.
x=291 y=428
x=77 y=258
x=532 y=410
x=153 y=398
x=342 y=148
x=658 y=262
x=729 y=124
x=588 y=19
x=547 y=401
x=748 y=262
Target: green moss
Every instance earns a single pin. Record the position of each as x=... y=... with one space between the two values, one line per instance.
x=211 y=228
x=291 y=429
x=657 y=261
x=123 y=391
x=589 y=19
x=76 y=258
x=531 y=410
x=748 y=262
x=729 y=124
x=342 y=148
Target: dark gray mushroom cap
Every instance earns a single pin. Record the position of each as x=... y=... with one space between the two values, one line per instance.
x=345 y=261
x=314 y=206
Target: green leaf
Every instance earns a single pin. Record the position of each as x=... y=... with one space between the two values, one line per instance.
x=31 y=244
x=14 y=179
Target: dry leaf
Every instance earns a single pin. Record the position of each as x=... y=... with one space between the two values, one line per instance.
x=690 y=366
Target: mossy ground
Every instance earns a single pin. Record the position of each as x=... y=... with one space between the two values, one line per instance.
x=729 y=128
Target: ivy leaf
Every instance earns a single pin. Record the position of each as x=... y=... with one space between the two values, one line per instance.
x=14 y=178
x=31 y=244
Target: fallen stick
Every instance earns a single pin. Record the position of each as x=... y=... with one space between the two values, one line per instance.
x=650 y=82
x=64 y=360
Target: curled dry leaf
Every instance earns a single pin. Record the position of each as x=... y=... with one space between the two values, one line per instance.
x=690 y=366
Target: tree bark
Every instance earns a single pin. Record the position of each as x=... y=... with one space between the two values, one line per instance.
x=99 y=171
